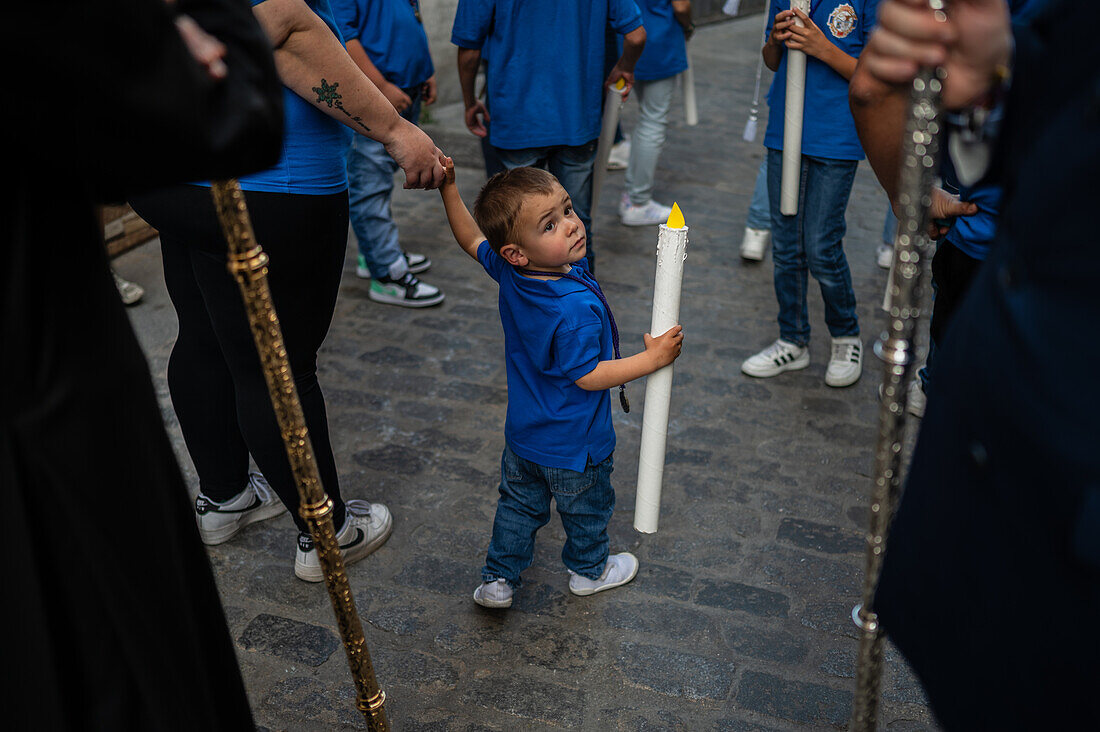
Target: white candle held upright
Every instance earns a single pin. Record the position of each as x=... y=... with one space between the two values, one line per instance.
x=691 y=109
x=792 y=122
x=671 y=252
x=612 y=106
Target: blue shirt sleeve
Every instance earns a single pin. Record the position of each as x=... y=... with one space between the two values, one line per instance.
x=346 y=15
x=473 y=23
x=576 y=351
x=493 y=263
x=624 y=16
x=869 y=19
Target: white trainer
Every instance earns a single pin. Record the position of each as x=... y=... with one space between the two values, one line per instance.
x=618 y=157
x=496 y=594
x=915 y=398
x=366 y=528
x=754 y=243
x=220 y=522
x=649 y=213
x=884 y=255
x=620 y=569
x=846 y=362
x=775 y=359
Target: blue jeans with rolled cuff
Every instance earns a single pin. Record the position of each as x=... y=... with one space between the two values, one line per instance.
x=585 y=503
x=812 y=242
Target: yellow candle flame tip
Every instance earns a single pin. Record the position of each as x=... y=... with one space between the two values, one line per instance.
x=620 y=84
x=676 y=218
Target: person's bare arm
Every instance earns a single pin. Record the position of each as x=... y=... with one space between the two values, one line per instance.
x=399 y=99
x=775 y=47
x=633 y=44
x=463 y=226
x=314 y=65
x=476 y=114
x=879 y=112
x=659 y=352
x=809 y=39
x=681 y=10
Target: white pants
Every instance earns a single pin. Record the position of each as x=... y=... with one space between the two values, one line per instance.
x=654 y=99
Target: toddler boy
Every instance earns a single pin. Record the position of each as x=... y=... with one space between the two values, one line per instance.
x=561 y=353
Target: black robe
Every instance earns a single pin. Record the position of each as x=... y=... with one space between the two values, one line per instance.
x=112 y=620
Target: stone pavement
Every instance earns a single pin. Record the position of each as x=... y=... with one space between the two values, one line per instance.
x=739 y=617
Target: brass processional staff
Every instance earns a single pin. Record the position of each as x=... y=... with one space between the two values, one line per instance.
x=248 y=264
x=896 y=348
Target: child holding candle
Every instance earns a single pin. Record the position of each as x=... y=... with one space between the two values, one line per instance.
x=561 y=352
x=811 y=241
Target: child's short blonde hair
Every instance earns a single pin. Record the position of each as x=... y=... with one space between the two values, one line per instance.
x=497 y=207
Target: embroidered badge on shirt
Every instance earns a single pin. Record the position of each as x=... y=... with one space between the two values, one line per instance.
x=842 y=20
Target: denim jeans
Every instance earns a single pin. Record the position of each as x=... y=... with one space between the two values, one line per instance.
x=654 y=100
x=760 y=213
x=889 y=226
x=812 y=241
x=585 y=503
x=572 y=166
x=370 y=190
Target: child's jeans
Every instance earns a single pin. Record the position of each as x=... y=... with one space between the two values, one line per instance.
x=585 y=503
x=760 y=213
x=370 y=189
x=654 y=101
x=812 y=241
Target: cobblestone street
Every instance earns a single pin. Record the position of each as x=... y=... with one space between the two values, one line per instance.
x=739 y=618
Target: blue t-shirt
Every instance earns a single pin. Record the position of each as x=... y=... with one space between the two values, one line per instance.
x=392 y=36
x=546 y=66
x=828 y=130
x=315 y=146
x=555 y=332
x=665 y=52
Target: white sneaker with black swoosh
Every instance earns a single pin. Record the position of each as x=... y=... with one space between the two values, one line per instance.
x=220 y=522
x=366 y=528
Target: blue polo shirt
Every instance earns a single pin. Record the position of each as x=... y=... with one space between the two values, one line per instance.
x=828 y=130
x=665 y=52
x=546 y=66
x=555 y=332
x=315 y=146
x=392 y=36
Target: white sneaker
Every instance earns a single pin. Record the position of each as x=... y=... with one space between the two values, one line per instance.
x=220 y=522
x=915 y=398
x=775 y=359
x=624 y=203
x=649 y=213
x=619 y=157
x=408 y=292
x=754 y=243
x=846 y=362
x=620 y=569
x=884 y=255
x=366 y=528
x=130 y=292
x=497 y=593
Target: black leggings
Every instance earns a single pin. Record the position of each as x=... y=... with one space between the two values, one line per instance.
x=218 y=390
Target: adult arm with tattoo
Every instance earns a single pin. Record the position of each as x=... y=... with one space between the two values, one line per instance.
x=313 y=64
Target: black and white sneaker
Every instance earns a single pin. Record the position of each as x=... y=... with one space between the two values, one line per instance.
x=407 y=292
x=220 y=522
x=417 y=263
x=366 y=528
x=846 y=362
x=775 y=359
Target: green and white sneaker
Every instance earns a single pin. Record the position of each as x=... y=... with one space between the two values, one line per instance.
x=417 y=263
x=408 y=292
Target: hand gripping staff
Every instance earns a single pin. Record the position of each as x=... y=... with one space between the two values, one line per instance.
x=248 y=264
x=912 y=254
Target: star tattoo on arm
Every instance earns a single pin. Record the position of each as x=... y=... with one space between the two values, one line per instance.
x=327 y=94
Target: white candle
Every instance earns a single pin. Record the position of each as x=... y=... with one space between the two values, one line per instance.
x=691 y=110
x=612 y=105
x=671 y=252
x=792 y=122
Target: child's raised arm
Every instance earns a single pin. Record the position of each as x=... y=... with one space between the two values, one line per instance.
x=659 y=352
x=463 y=226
